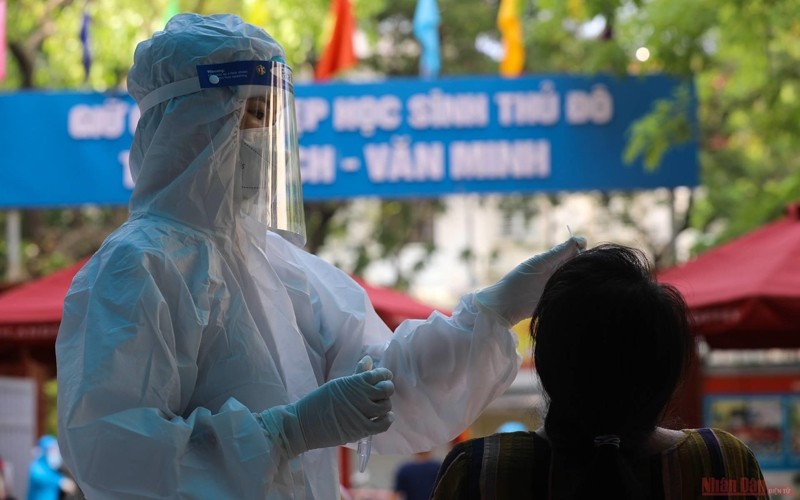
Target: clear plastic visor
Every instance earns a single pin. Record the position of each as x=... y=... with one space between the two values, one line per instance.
x=268 y=166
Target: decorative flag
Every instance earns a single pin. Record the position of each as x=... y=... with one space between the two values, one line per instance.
x=339 y=54
x=2 y=40
x=426 y=29
x=86 y=57
x=511 y=29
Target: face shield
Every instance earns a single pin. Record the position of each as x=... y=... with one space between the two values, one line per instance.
x=267 y=162
x=259 y=150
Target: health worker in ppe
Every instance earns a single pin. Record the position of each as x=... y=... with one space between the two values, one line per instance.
x=202 y=352
x=45 y=479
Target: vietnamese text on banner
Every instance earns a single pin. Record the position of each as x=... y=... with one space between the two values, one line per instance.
x=394 y=138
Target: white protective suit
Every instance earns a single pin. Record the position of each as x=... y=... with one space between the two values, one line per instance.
x=191 y=328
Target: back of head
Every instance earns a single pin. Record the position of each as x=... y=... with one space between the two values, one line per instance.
x=611 y=345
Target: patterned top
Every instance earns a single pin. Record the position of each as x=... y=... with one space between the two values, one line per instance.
x=707 y=462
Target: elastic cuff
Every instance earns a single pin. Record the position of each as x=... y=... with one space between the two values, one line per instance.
x=490 y=312
x=282 y=425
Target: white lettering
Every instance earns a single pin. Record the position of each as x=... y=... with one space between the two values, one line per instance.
x=127 y=178
x=498 y=160
x=318 y=164
x=399 y=161
x=519 y=109
x=106 y=121
x=438 y=110
x=595 y=107
x=310 y=113
x=366 y=114
x=133 y=119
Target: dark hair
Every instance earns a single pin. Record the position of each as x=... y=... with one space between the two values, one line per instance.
x=611 y=345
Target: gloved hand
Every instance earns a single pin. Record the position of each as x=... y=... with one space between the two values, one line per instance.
x=345 y=409
x=67 y=485
x=515 y=296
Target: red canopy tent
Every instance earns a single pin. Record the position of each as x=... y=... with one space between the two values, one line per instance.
x=395 y=307
x=32 y=312
x=746 y=294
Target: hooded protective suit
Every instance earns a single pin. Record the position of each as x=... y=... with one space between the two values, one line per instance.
x=193 y=329
x=45 y=480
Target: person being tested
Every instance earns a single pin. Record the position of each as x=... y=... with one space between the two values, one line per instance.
x=202 y=352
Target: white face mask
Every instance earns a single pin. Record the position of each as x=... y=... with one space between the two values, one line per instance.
x=53 y=457
x=252 y=163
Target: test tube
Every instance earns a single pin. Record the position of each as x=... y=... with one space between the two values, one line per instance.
x=363 y=451
x=364 y=444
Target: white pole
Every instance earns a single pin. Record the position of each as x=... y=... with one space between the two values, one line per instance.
x=673 y=230
x=469 y=230
x=14 y=242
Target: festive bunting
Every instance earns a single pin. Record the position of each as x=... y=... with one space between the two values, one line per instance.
x=86 y=57
x=2 y=40
x=426 y=29
x=339 y=53
x=511 y=29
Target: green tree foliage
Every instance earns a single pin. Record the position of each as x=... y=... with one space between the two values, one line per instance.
x=743 y=59
x=750 y=100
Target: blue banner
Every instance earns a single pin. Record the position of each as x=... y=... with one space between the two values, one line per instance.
x=394 y=138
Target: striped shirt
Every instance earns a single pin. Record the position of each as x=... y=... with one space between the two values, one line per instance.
x=706 y=463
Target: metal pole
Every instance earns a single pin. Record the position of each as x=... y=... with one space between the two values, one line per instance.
x=673 y=223
x=14 y=242
x=469 y=230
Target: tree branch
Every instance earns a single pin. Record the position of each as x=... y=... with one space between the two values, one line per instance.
x=46 y=24
x=25 y=61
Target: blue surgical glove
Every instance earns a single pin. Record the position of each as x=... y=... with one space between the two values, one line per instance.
x=343 y=410
x=515 y=296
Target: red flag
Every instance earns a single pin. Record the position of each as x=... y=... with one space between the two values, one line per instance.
x=339 y=53
x=2 y=40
